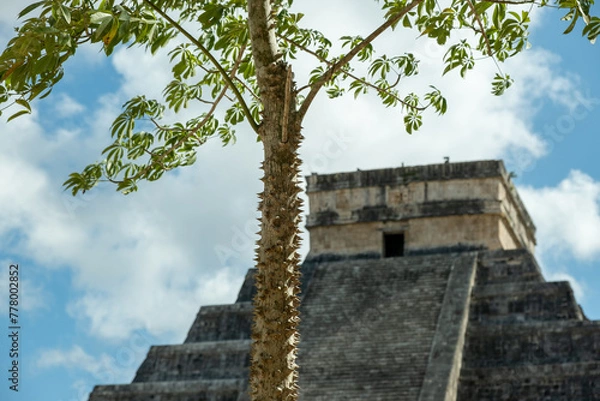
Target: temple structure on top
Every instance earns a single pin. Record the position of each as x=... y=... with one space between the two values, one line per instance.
x=416 y=210
x=420 y=285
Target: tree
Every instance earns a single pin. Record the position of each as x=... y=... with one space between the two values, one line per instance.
x=234 y=59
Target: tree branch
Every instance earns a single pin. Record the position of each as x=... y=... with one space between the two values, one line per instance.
x=348 y=73
x=203 y=101
x=519 y=2
x=245 y=85
x=264 y=45
x=397 y=79
x=213 y=60
x=487 y=41
x=316 y=86
x=191 y=132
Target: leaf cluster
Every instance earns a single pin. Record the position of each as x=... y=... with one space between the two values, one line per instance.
x=212 y=69
x=138 y=154
x=33 y=61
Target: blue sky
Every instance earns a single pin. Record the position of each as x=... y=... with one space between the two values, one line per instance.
x=105 y=276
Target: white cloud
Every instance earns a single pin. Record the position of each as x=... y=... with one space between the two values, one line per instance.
x=139 y=68
x=34 y=296
x=104 y=368
x=147 y=261
x=117 y=366
x=152 y=302
x=138 y=259
x=66 y=106
x=139 y=251
x=567 y=216
x=477 y=126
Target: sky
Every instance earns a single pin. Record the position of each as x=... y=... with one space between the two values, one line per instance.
x=104 y=276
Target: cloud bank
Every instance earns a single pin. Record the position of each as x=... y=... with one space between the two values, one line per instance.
x=147 y=261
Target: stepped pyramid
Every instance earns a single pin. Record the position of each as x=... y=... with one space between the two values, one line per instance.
x=420 y=284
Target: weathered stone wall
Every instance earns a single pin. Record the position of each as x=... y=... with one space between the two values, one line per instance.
x=350 y=239
x=486 y=231
x=347 y=201
x=190 y=390
x=507 y=237
x=368 y=327
x=449 y=321
x=445 y=357
x=470 y=205
x=527 y=339
x=438 y=232
x=206 y=360
x=515 y=216
x=222 y=322
x=468 y=326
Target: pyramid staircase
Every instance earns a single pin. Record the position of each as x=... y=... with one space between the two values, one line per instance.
x=527 y=339
x=473 y=326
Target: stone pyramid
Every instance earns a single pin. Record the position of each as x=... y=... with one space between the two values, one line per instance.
x=420 y=284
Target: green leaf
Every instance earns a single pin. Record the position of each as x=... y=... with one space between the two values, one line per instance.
x=381 y=65
x=66 y=13
x=571 y=25
x=74 y=182
x=123 y=125
x=226 y=134
x=436 y=100
x=411 y=100
x=498 y=15
x=481 y=7
x=43 y=95
x=17 y=114
x=235 y=114
x=35 y=91
x=127 y=186
x=412 y=121
x=100 y=17
x=359 y=87
x=568 y=16
x=501 y=83
x=212 y=15
x=335 y=91
x=3 y=94
x=30 y=8
x=105 y=28
x=24 y=103
x=592 y=30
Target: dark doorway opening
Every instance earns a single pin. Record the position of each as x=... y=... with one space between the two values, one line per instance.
x=393 y=245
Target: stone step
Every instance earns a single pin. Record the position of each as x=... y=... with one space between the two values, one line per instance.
x=193 y=361
x=507 y=266
x=368 y=326
x=394 y=389
x=222 y=322
x=204 y=390
x=517 y=302
x=555 y=382
x=532 y=343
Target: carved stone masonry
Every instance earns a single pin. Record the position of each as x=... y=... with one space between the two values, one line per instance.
x=420 y=285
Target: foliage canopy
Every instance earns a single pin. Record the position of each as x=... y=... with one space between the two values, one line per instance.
x=212 y=65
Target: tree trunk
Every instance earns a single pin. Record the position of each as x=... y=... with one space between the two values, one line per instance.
x=273 y=373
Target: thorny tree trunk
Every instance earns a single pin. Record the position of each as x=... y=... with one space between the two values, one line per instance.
x=273 y=374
